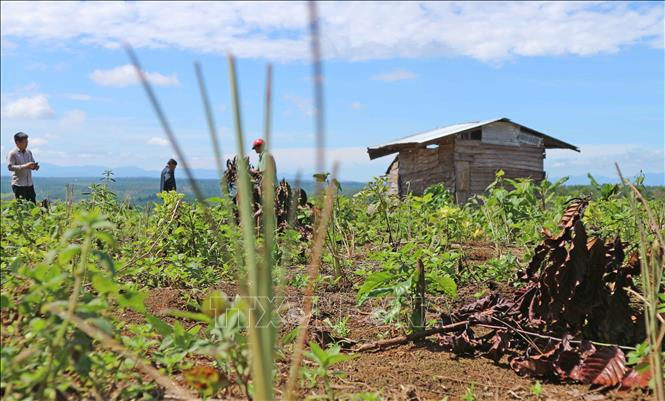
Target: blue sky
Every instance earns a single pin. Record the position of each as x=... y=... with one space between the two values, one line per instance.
x=591 y=74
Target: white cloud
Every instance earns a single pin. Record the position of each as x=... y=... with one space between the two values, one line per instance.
x=357 y=106
x=29 y=107
x=79 y=96
x=29 y=88
x=599 y=159
x=395 y=75
x=7 y=45
x=38 y=141
x=303 y=104
x=39 y=66
x=73 y=117
x=125 y=75
x=155 y=140
x=487 y=31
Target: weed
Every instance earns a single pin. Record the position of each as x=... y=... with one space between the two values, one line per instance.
x=470 y=393
x=339 y=328
x=537 y=390
x=324 y=360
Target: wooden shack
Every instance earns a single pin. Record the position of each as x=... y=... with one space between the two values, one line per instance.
x=465 y=157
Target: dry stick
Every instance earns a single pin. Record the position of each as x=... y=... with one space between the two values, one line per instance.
x=381 y=344
x=458 y=326
x=420 y=301
x=526 y=338
x=544 y=336
x=312 y=274
x=113 y=345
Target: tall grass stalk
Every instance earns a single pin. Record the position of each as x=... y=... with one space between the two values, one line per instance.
x=652 y=253
x=268 y=220
x=211 y=127
x=259 y=334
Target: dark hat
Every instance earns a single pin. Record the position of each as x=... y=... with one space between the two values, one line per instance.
x=19 y=136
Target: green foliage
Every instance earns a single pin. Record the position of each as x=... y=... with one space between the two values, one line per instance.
x=397 y=281
x=324 y=360
x=501 y=269
x=340 y=327
x=39 y=345
x=102 y=256
x=470 y=393
x=537 y=390
x=516 y=211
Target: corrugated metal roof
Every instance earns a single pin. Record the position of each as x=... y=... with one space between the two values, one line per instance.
x=438 y=133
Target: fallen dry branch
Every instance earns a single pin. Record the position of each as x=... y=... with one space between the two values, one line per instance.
x=391 y=342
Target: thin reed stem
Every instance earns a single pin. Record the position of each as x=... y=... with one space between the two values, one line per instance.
x=312 y=275
x=268 y=220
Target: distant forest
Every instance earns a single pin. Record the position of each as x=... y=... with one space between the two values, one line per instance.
x=137 y=190
x=142 y=190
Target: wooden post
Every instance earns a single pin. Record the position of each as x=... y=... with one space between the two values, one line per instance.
x=420 y=307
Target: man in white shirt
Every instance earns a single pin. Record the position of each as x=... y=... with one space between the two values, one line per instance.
x=21 y=163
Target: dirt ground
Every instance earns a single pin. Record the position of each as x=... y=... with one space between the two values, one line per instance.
x=422 y=371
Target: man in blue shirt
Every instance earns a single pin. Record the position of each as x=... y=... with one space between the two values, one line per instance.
x=167 y=182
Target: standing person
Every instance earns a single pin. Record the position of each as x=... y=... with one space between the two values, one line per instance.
x=167 y=182
x=21 y=163
x=265 y=159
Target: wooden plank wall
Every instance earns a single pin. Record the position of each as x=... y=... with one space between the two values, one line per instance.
x=420 y=167
x=393 y=177
x=486 y=159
